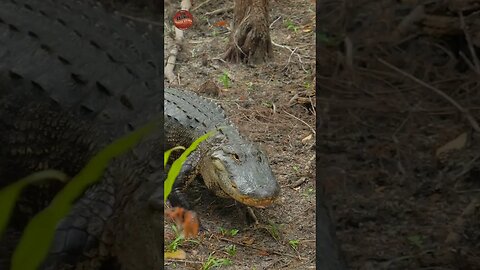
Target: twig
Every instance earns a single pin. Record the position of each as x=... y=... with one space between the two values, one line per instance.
x=467 y=114
x=291 y=53
x=171 y=64
x=467 y=167
x=218 y=11
x=469 y=191
x=468 y=61
x=311 y=128
x=279 y=17
x=454 y=234
x=290 y=57
x=385 y=265
x=182 y=261
x=257 y=248
x=470 y=44
x=415 y=15
x=348 y=53
x=397 y=146
x=201 y=5
x=185 y=5
x=298 y=183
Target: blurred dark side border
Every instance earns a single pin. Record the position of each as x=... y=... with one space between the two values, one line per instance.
x=328 y=251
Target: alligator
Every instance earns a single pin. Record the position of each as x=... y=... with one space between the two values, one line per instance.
x=230 y=165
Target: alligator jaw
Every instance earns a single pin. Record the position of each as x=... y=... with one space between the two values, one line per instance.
x=218 y=179
x=258 y=203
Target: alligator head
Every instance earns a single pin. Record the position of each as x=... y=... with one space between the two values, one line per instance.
x=236 y=168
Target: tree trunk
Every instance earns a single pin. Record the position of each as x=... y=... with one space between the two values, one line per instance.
x=250 y=39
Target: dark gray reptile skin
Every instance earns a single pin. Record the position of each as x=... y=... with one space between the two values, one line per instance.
x=73 y=78
x=249 y=178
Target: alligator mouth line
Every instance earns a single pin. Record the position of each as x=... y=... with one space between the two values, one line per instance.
x=230 y=189
x=259 y=203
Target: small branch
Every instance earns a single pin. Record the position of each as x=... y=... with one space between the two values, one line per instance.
x=470 y=44
x=182 y=261
x=292 y=52
x=311 y=128
x=257 y=248
x=279 y=17
x=169 y=74
x=201 y=5
x=171 y=64
x=467 y=114
x=457 y=228
x=415 y=15
x=348 y=53
x=218 y=11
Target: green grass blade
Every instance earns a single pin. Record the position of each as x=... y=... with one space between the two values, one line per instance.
x=9 y=194
x=39 y=233
x=168 y=152
x=177 y=164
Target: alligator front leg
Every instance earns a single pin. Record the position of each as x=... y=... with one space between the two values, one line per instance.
x=79 y=235
x=177 y=196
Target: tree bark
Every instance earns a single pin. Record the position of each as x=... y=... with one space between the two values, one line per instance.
x=250 y=39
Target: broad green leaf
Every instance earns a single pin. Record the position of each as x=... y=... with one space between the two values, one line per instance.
x=9 y=194
x=39 y=233
x=177 y=164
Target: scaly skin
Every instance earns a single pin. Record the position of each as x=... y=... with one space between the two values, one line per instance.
x=230 y=165
x=72 y=79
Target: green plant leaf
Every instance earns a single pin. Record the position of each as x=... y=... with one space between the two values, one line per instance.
x=167 y=153
x=9 y=194
x=39 y=233
x=177 y=165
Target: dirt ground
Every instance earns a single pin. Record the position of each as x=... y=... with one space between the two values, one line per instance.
x=272 y=104
x=399 y=148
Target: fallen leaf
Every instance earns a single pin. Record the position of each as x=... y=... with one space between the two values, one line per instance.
x=220 y=23
x=190 y=224
x=456 y=144
x=178 y=254
x=186 y=220
x=248 y=240
x=263 y=253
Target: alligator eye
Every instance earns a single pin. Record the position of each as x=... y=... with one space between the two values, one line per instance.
x=236 y=157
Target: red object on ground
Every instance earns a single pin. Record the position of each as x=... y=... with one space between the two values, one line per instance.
x=186 y=220
x=183 y=19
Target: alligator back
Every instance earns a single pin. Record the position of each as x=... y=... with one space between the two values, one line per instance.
x=86 y=61
x=73 y=78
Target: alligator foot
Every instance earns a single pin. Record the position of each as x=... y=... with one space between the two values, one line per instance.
x=247 y=213
x=178 y=199
x=251 y=216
